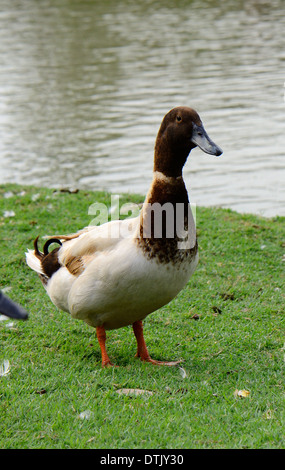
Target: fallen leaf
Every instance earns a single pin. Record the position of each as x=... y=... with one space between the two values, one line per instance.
x=42 y=391
x=269 y=414
x=10 y=325
x=216 y=309
x=133 y=391
x=5 y=368
x=8 y=194
x=87 y=414
x=69 y=190
x=241 y=393
x=227 y=296
x=182 y=390
x=195 y=316
x=183 y=372
x=3 y=318
x=9 y=214
x=6 y=289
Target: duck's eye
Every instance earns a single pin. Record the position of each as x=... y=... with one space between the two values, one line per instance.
x=179 y=118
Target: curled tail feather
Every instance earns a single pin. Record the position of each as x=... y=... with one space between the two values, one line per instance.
x=38 y=253
x=48 y=243
x=38 y=261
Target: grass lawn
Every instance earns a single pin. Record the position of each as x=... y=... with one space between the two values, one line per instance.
x=227 y=325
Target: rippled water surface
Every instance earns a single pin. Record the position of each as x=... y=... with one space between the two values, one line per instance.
x=84 y=86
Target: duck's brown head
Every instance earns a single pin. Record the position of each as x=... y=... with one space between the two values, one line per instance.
x=181 y=130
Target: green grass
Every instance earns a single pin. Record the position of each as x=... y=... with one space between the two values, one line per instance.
x=236 y=343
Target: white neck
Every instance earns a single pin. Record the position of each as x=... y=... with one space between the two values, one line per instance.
x=157 y=175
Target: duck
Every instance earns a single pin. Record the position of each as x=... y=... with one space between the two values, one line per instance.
x=12 y=309
x=116 y=274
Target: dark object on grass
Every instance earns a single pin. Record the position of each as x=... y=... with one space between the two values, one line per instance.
x=11 y=309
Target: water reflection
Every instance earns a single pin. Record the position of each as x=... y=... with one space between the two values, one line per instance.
x=84 y=86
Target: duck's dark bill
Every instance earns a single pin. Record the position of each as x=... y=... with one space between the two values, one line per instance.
x=203 y=141
x=11 y=309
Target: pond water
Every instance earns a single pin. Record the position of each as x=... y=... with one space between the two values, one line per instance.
x=84 y=86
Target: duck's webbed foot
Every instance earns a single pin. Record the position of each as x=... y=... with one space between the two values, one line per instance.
x=101 y=335
x=142 y=351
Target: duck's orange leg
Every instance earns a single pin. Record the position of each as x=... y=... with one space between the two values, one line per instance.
x=142 y=351
x=101 y=335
